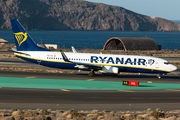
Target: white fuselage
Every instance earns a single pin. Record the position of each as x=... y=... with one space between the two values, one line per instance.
x=124 y=63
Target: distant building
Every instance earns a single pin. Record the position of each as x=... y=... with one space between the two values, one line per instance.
x=52 y=46
x=49 y=46
x=130 y=43
x=2 y=41
x=5 y=44
x=41 y=45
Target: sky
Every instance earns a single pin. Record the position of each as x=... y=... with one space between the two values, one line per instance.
x=168 y=9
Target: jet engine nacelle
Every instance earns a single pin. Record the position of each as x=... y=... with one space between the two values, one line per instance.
x=109 y=70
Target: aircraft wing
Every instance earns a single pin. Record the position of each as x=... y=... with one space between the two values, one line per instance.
x=82 y=65
x=88 y=66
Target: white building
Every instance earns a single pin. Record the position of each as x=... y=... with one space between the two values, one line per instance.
x=52 y=46
x=2 y=41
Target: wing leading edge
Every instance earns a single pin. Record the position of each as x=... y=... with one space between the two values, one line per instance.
x=80 y=64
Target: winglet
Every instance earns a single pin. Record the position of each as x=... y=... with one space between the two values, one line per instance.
x=73 y=49
x=64 y=56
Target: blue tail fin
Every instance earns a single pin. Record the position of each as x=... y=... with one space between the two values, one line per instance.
x=23 y=40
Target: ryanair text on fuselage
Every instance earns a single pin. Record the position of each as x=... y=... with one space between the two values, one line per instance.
x=117 y=60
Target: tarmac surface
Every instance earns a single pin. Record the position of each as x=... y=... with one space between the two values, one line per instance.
x=119 y=99
x=65 y=99
x=88 y=100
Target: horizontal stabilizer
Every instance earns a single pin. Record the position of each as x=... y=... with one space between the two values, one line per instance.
x=14 y=49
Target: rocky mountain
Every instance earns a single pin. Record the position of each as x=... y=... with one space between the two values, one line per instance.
x=77 y=15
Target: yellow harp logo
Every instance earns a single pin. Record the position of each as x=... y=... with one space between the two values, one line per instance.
x=20 y=37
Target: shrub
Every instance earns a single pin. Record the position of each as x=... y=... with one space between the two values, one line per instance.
x=60 y=111
x=71 y=110
x=94 y=111
x=106 y=111
x=177 y=63
x=76 y=114
x=158 y=114
x=14 y=109
x=45 y=112
x=30 y=113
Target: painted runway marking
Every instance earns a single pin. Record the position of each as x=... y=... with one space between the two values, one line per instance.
x=149 y=81
x=65 y=90
x=173 y=90
x=31 y=77
x=90 y=79
x=126 y=91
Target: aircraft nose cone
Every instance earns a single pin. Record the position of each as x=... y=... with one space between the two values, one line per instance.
x=173 y=68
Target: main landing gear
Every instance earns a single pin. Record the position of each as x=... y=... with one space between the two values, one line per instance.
x=91 y=74
x=159 y=76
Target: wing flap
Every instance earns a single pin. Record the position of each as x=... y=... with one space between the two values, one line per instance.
x=87 y=65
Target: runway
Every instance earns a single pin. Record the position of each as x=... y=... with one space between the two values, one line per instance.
x=167 y=99
x=90 y=99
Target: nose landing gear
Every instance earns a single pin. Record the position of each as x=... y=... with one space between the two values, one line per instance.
x=161 y=74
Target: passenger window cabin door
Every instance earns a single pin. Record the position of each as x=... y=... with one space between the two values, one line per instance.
x=39 y=59
x=157 y=64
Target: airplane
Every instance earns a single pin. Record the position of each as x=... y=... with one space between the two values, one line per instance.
x=107 y=64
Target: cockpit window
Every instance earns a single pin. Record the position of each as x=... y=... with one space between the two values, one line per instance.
x=167 y=63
